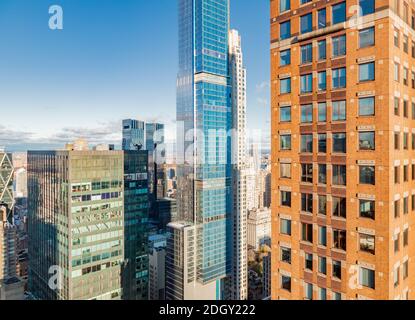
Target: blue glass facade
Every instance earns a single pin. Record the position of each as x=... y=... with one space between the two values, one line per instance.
x=204 y=152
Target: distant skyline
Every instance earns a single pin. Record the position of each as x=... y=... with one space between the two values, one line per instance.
x=114 y=59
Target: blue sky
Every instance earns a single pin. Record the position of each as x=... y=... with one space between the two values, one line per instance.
x=114 y=59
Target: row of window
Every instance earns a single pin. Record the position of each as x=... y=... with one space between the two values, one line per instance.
x=338 y=77
x=366 y=107
x=339 y=204
x=366 y=142
x=338 y=109
x=338 y=15
x=366 y=39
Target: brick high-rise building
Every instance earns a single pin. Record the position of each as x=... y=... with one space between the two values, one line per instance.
x=343 y=189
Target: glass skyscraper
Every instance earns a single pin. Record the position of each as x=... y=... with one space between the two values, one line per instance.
x=76 y=224
x=204 y=119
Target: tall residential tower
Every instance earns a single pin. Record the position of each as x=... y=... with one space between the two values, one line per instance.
x=343 y=143
x=238 y=286
x=204 y=119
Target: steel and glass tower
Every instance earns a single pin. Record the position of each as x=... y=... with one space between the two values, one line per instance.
x=204 y=119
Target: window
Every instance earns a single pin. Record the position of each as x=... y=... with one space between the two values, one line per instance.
x=405 y=140
x=396 y=174
x=405 y=269
x=286 y=283
x=367 y=140
x=339 y=239
x=366 y=7
x=396 y=106
x=405 y=237
x=339 y=46
x=405 y=43
x=367 y=37
x=367 y=243
x=367 y=71
x=306 y=83
x=307 y=113
x=367 y=277
x=396 y=71
x=337 y=269
x=285 y=5
x=396 y=243
x=307 y=53
x=339 y=142
x=322 y=173
x=337 y=296
x=367 y=106
x=367 y=209
x=367 y=175
x=405 y=76
x=285 y=114
x=339 y=207
x=322 y=50
x=405 y=173
x=396 y=140
x=396 y=276
x=339 y=110
x=285 y=142
x=322 y=112
x=396 y=208
x=285 y=57
x=306 y=143
x=322 y=293
x=285 y=30
x=405 y=205
x=322 y=83
x=307 y=173
x=286 y=198
x=285 y=170
x=396 y=38
x=285 y=227
x=306 y=22
x=339 y=175
x=308 y=291
x=307 y=202
x=405 y=108
x=339 y=78
x=322 y=236
x=339 y=13
x=285 y=85
x=307 y=232
x=286 y=255
x=322 y=265
x=322 y=143
x=322 y=204
x=309 y=261
x=322 y=18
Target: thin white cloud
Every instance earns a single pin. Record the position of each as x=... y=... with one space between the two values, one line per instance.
x=261 y=87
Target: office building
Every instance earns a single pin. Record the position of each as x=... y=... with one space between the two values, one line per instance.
x=342 y=149
x=259 y=228
x=157 y=267
x=6 y=185
x=133 y=134
x=204 y=119
x=166 y=211
x=75 y=224
x=181 y=265
x=136 y=220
